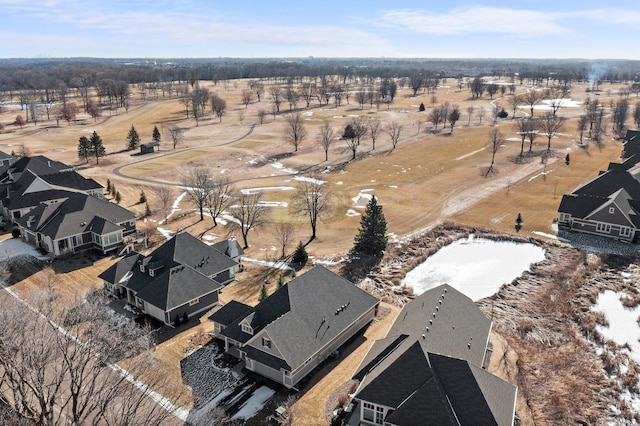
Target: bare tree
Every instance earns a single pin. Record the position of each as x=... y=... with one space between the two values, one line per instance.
x=496 y=139
x=481 y=113
x=295 y=130
x=470 y=110
x=247 y=97
x=326 y=138
x=283 y=232
x=435 y=116
x=218 y=105
x=374 y=129
x=514 y=102
x=620 y=114
x=636 y=113
x=219 y=197
x=583 y=120
x=353 y=132
x=165 y=194
x=454 y=116
x=491 y=88
x=54 y=375
x=250 y=212
x=261 y=116
x=198 y=185
x=549 y=126
x=393 y=129
x=312 y=201
x=523 y=128
x=176 y=134
x=276 y=97
x=531 y=98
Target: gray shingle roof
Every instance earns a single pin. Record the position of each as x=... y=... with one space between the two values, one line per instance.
x=73 y=216
x=306 y=314
x=182 y=267
x=229 y=313
x=434 y=379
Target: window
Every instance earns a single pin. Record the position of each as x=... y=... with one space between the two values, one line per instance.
x=266 y=342
x=612 y=210
x=372 y=413
x=367 y=411
x=603 y=227
x=194 y=301
x=247 y=329
x=625 y=232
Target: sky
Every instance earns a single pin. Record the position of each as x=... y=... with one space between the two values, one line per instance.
x=322 y=28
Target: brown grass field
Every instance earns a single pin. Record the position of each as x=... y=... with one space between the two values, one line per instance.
x=429 y=178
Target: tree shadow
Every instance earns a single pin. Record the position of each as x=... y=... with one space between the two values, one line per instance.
x=359 y=265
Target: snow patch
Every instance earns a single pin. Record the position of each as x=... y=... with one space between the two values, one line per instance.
x=486 y=267
x=310 y=180
x=623 y=327
x=352 y=213
x=266 y=188
x=255 y=403
x=275 y=265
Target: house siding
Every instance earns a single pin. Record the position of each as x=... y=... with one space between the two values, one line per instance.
x=591 y=227
x=206 y=302
x=615 y=218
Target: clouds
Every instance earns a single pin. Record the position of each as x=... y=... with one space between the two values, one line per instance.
x=202 y=28
x=478 y=19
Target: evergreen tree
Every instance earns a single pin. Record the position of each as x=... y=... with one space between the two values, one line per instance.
x=96 y=146
x=300 y=256
x=147 y=210
x=143 y=197
x=133 y=140
x=108 y=186
x=156 y=134
x=263 y=293
x=84 y=148
x=113 y=189
x=421 y=108
x=280 y=282
x=118 y=197
x=372 y=237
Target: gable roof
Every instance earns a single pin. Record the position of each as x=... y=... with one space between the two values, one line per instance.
x=38 y=164
x=620 y=182
x=182 y=267
x=230 y=247
x=304 y=315
x=426 y=367
x=75 y=215
x=230 y=313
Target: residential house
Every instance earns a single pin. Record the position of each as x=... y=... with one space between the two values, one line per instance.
x=181 y=277
x=609 y=204
x=29 y=190
x=6 y=159
x=428 y=370
x=39 y=165
x=74 y=221
x=292 y=331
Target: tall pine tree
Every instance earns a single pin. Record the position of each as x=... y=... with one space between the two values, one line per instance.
x=156 y=134
x=372 y=237
x=96 y=146
x=84 y=149
x=133 y=140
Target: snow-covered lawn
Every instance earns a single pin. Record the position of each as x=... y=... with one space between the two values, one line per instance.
x=15 y=247
x=255 y=403
x=476 y=267
x=623 y=327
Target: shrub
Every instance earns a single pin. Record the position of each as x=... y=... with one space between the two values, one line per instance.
x=422 y=108
x=300 y=256
x=15 y=232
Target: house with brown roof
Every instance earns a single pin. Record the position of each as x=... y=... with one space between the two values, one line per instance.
x=428 y=370
x=292 y=331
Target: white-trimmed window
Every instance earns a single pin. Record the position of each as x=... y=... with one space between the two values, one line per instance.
x=194 y=301
x=612 y=210
x=625 y=231
x=565 y=217
x=247 y=328
x=372 y=413
x=603 y=227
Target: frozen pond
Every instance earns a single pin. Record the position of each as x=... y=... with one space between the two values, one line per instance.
x=623 y=326
x=476 y=267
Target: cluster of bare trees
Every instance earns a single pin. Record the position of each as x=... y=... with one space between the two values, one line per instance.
x=58 y=366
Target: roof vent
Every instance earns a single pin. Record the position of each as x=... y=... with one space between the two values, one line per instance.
x=423 y=336
x=434 y=314
x=431 y=322
x=469 y=345
x=427 y=329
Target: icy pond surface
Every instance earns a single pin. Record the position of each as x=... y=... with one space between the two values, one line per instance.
x=475 y=266
x=623 y=326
